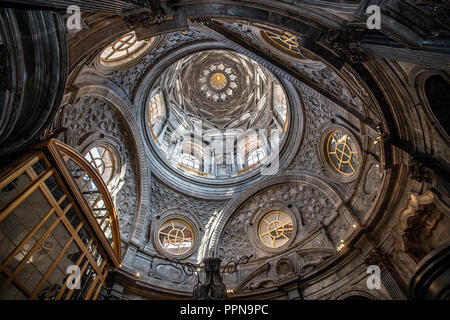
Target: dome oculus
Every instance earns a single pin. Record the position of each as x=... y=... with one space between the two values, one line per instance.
x=217 y=114
x=218 y=81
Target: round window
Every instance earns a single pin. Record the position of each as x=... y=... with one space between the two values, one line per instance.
x=123 y=48
x=275 y=229
x=176 y=237
x=342 y=152
x=102 y=160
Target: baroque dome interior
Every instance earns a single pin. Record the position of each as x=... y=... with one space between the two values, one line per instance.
x=286 y=145
x=212 y=101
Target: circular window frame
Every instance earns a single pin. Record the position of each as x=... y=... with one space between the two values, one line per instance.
x=324 y=156
x=190 y=223
x=114 y=167
x=257 y=219
x=100 y=139
x=199 y=186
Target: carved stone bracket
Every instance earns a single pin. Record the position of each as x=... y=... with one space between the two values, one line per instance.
x=346 y=43
x=379 y=259
x=417 y=224
x=419 y=172
x=158 y=11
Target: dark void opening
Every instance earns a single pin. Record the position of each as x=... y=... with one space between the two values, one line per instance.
x=437 y=90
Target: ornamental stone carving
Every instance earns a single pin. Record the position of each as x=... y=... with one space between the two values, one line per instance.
x=128 y=80
x=89 y=115
x=312 y=204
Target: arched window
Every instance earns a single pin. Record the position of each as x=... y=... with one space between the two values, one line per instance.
x=190 y=161
x=101 y=158
x=156 y=114
x=256 y=156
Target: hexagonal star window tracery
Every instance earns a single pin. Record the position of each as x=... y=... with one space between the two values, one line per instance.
x=286 y=40
x=216 y=98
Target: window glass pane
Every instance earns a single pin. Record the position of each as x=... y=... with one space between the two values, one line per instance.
x=84 y=235
x=39 y=166
x=49 y=291
x=73 y=218
x=38 y=264
x=275 y=229
x=18 y=224
x=54 y=187
x=102 y=160
x=342 y=153
x=122 y=48
x=176 y=237
x=75 y=170
x=12 y=293
x=14 y=187
x=87 y=278
x=59 y=275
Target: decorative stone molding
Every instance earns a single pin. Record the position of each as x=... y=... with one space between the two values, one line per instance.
x=416 y=223
x=420 y=172
x=355 y=293
x=33 y=56
x=322 y=146
x=129 y=80
x=346 y=43
x=138 y=229
x=176 y=213
x=158 y=11
x=233 y=206
x=316 y=70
